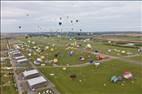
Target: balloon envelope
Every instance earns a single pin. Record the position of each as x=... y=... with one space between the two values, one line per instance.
x=76 y=20
x=60 y=23
x=27 y=15
x=20 y=27
x=67 y=17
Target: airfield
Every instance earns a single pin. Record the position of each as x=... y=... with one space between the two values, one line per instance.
x=78 y=65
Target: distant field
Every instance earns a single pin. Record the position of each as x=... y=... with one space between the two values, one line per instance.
x=3 y=44
x=104 y=48
x=96 y=45
x=93 y=79
x=125 y=37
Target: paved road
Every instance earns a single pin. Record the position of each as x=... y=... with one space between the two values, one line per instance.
x=104 y=60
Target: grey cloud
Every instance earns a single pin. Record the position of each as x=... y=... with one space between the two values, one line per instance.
x=93 y=15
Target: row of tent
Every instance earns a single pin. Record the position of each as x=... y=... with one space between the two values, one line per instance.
x=17 y=56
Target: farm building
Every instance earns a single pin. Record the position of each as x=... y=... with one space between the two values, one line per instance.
x=24 y=60
x=37 y=82
x=30 y=74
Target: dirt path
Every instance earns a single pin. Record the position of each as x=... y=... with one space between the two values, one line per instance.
x=109 y=59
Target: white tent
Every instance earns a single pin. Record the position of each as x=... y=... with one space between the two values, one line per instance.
x=30 y=72
x=19 y=57
x=36 y=81
x=22 y=60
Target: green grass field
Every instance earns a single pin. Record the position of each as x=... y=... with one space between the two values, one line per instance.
x=125 y=37
x=7 y=83
x=3 y=44
x=90 y=80
x=136 y=58
x=63 y=57
x=60 y=46
x=93 y=79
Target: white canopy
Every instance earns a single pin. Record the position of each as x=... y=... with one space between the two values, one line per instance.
x=30 y=72
x=22 y=60
x=36 y=81
x=19 y=57
x=16 y=52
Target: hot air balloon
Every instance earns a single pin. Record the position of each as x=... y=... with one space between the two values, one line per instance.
x=56 y=55
x=78 y=34
x=60 y=23
x=26 y=36
x=73 y=76
x=76 y=20
x=71 y=21
x=67 y=17
x=20 y=27
x=27 y=14
x=60 y=18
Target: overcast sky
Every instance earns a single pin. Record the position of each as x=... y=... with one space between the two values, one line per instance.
x=93 y=16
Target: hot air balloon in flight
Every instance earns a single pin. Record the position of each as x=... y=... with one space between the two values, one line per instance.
x=76 y=21
x=27 y=15
x=67 y=17
x=20 y=27
x=60 y=23
x=71 y=21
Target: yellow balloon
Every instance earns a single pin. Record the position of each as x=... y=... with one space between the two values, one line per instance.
x=55 y=60
x=51 y=49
